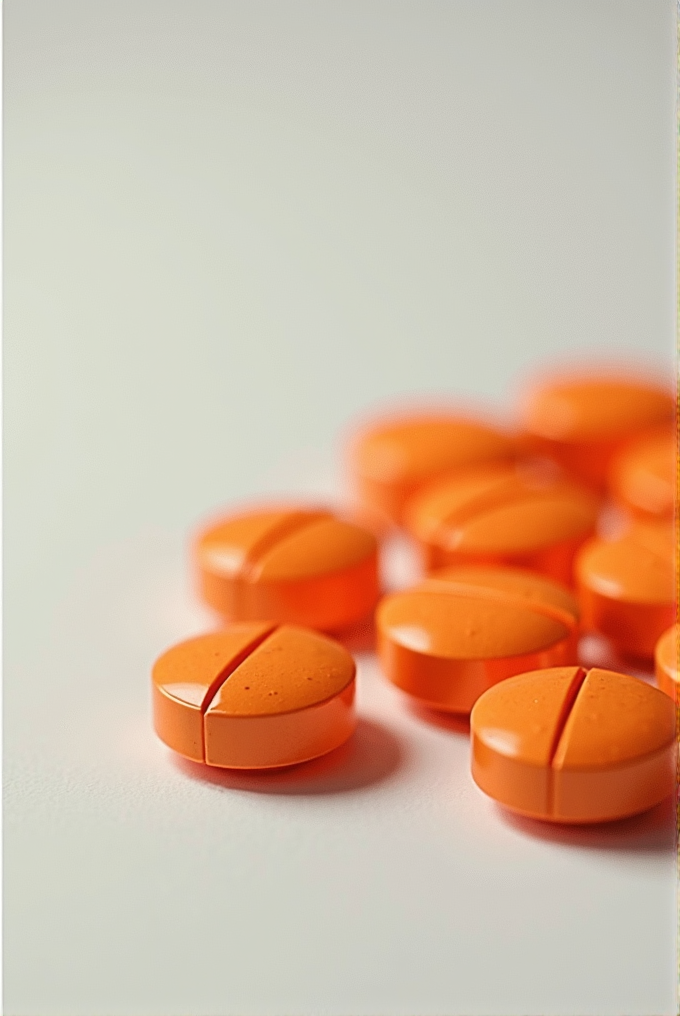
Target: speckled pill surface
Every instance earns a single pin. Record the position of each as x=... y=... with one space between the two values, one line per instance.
x=569 y=745
x=503 y=513
x=254 y=696
x=448 y=639
x=292 y=565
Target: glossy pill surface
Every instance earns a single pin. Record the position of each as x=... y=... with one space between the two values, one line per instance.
x=457 y=633
x=394 y=458
x=288 y=565
x=626 y=587
x=254 y=696
x=584 y=420
x=570 y=745
x=503 y=513
x=643 y=476
x=666 y=661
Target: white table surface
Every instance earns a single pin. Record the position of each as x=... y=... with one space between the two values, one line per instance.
x=230 y=228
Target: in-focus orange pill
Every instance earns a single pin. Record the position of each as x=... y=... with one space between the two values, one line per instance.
x=457 y=633
x=643 y=476
x=288 y=565
x=503 y=513
x=570 y=745
x=254 y=696
x=582 y=421
x=667 y=662
x=392 y=459
x=626 y=587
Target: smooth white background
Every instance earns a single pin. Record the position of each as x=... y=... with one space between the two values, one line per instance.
x=231 y=227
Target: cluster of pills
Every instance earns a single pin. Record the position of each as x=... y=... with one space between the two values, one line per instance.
x=516 y=567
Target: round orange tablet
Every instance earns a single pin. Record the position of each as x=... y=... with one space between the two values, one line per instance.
x=666 y=659
x=626 y=587
x=583 y=420
x=392 y=459
x=644 y=475
x=570 y=745
x=454 y=635
x=503 y=513
x=254 y=696
x=298 y=565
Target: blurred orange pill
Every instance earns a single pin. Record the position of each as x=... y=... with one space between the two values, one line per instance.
x=644 y=475
x=254 y=696
x=583 y=420
x=626 y=587
x=666 y=660
x=455 y=634
x=392 y=459
x=503 y=513
x=570 y=745
x=283 y=564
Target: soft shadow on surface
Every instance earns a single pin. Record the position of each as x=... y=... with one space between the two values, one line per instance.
x=458 y=723
x=359 y=637
x=597 y=651
x=372 y=754
x=653 y=831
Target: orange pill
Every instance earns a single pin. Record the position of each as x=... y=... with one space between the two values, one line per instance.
x=503 y=513
x=582 y=421
x=666 y=660
x=570 y=745
x=644 y=475
x=457 y=633
x=297 y=565
x=626 y=587
x=392 y=459
x=254 y=696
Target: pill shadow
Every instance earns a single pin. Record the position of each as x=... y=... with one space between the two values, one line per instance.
x=457 y=723
x=359 y=637
x=597 y=651
x=370 y=756
x=654 y=831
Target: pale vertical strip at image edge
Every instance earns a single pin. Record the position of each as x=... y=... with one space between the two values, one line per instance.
x=677 y=479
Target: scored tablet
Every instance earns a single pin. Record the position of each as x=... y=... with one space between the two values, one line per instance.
x=254 y=696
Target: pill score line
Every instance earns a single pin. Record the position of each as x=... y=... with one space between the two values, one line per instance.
x=567 y=707
x=230 y=668
x=226 y=673
x=278 y=532
x=436 y=587
x=556 y=766
x=505 y=494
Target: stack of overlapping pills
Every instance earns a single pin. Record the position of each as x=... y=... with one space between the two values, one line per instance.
x=517 y=564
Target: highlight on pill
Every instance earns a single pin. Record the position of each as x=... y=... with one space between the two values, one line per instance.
x=517 y=570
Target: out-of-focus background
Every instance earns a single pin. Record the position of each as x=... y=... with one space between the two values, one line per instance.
x=229 y=228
